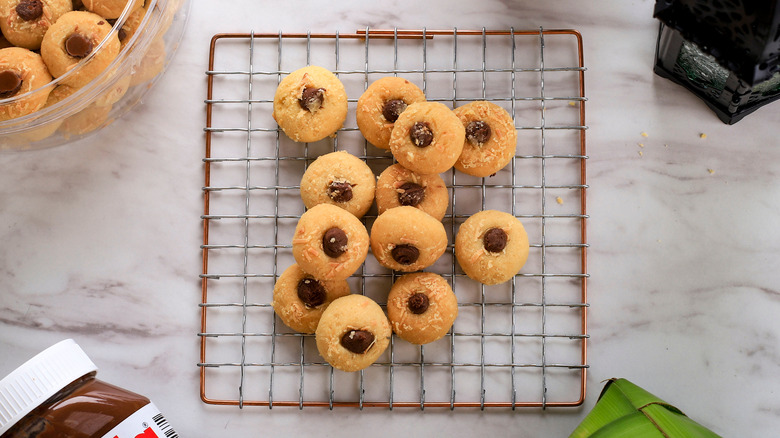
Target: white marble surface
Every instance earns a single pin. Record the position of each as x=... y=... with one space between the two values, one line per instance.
x=100 y=238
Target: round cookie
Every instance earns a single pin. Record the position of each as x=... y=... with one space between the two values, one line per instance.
x=151 y=64
x=329 y=243
x=427 y=138
x=407 y=239
x=24 y=22
x=87 y=120
x=21 y=71
x=353 y=332
x=398 y=186
x=111 y=8
x=310 y=104
x=119 y=83
x=130 y=26
x=341 y=179
x=491 y=138
x=74 y=37
x=491 y=246
x=300 y=299
x=421 y=307
x=380 y=105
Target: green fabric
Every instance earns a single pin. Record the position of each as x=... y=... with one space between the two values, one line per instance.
x=624 y=409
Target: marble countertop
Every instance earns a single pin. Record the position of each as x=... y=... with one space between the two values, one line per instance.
x=101 y=237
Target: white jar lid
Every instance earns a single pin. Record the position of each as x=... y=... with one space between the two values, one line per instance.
x=28 y=386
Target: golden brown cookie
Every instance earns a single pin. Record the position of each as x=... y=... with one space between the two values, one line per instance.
x=407 y=239
x=491 y=138
x=24 y=22
x=341 y=179
x=21 y=71
x=72 y=38
x=87 y=120
x=398 y=186
x=353 y=332
x=44 y=130
x=329 y=243
x=151 y=64
x=380 y=105
x=300 y=299
x=427 y=138
x=421 y=307
x=130 y=26
x=310 y=104
x=119 y=84
x=111 y=8
x=491 y=246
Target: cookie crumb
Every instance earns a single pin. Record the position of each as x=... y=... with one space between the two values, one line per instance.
x=640 y=153
x=559 y=200
x=643 y=134
x=572 y=103
x=641 y=145
x=711 y=171
x=702 y=136
x=666 y=145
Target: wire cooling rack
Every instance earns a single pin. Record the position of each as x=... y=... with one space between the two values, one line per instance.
x=519 y=344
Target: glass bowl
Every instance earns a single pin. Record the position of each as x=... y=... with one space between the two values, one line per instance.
x=77 y=113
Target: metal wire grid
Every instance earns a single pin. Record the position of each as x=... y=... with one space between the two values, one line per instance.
x=225 y=354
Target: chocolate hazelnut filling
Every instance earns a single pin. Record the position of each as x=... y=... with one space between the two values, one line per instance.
x=421 y=134
x=405 y=254
x=495 y=240
x=10 y=83
x=357 y=341
x=340 y=191
x=311 y=99
x=29 y=10
x=311 y=292
x=392 y=109
x=78 y=46
x=411 y=194
x=334 y=242
x=478 y=132
x=418 y=303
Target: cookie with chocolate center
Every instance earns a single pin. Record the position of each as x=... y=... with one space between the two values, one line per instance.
x=421 y=307
x=22 y=71
x=427 y=138
x=398 y=186
x=310 y=104
x=407 y=239
x=341 y=179
x=25 y=22
x=491 y=246
x=329 y=243
x=379 y=107
x=491 y=138
x=73 y=38
x=353 y=332
x=300 y=299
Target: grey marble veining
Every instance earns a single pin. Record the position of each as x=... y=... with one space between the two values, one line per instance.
x=100 y=239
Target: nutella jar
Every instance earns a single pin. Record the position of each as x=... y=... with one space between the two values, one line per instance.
x=56 y=395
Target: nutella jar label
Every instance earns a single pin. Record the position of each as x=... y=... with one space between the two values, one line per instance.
x=147 y=422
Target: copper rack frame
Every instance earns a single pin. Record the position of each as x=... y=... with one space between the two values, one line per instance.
x=398 y=35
